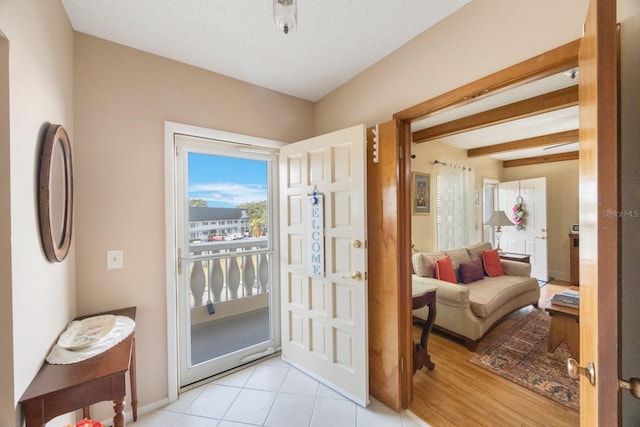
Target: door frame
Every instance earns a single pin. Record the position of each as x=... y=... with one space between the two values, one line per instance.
x=544 y=65
x=171 y=265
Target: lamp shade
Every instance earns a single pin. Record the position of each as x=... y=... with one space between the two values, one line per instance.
x=499 y=219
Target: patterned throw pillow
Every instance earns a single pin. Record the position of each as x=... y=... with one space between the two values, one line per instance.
x=491 y=261
x=444 y=270
x=471 y=271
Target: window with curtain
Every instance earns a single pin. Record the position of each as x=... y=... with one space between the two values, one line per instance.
x=454 y=206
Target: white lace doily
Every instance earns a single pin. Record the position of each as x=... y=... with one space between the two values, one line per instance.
x=123 y=328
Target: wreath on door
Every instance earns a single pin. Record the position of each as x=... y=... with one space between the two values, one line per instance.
x=519 y=214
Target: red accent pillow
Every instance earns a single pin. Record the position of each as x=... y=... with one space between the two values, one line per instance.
x=491 y=261
x=444 y=270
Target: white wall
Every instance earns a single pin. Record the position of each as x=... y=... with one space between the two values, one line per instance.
x=40 y=92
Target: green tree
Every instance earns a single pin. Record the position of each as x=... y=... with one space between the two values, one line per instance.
x=257 y=212
x=198 y=203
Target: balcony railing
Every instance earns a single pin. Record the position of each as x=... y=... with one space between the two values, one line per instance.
x=228 y=271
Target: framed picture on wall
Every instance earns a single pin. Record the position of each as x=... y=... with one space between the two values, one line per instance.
x=421 y=193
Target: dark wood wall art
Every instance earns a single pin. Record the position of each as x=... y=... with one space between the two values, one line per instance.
x=55 y=194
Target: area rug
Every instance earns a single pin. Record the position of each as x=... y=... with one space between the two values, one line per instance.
x=520 y=355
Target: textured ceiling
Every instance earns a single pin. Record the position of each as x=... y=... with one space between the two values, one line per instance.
x=333 y=42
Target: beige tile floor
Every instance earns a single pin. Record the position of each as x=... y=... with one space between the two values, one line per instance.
x=271 y=393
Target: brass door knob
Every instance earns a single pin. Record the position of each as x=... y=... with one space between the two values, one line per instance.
x=575 y=370
x=633 y=385
x=355 y=275
x=357 y=244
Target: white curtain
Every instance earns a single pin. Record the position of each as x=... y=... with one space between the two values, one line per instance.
x=454 y=206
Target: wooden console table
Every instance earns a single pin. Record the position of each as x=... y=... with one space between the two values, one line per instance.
x=60 y=389
x=421 y=356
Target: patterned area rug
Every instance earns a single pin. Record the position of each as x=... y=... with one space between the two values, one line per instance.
x=521 y=356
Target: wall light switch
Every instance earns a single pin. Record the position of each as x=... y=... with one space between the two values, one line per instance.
x=115 y=259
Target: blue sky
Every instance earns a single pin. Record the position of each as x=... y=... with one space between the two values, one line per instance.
x=226 y=181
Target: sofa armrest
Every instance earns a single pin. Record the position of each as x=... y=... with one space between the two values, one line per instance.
x=447 y=293
x=516 y=268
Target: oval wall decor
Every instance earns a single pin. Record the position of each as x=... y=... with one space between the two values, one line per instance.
x=55 y=196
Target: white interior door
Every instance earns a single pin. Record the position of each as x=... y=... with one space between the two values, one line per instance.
x=324 y=310
x=532 y=238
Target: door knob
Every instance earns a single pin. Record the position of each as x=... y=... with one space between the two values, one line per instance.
x=355 y=275
x=540 y=237
x=357 y=244
x=575 y=370
x=633 y=385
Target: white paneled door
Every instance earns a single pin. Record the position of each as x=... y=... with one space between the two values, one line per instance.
x=324 y=309
x=532 y=237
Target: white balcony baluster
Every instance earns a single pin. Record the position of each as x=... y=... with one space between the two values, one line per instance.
x=263 y=272
x=248 y=274
x=233 y=277
x=197 y=283
x=216 y=279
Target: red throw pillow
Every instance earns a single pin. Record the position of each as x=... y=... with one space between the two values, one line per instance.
x=444 y=270
x=491 y=261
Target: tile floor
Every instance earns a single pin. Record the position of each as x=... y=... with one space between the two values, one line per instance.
x=271 y=393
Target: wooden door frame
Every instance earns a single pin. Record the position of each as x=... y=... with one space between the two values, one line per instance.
x=546 y=64
x=389 y=228
x=600 y=238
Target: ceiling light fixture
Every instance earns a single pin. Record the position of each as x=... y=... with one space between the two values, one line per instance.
x=284 y=13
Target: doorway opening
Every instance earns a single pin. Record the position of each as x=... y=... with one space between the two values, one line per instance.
x=222 y=216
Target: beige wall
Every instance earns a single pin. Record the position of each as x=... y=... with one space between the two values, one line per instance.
x=6 y=307
x=562 y=208
x=483 y=37
x=122 y=98
x=40 y=91
x=424 y=227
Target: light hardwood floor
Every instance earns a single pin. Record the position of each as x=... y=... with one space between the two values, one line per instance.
x=459 y=393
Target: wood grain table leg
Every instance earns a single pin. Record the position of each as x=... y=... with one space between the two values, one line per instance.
x=118 y=408
x=132 y=381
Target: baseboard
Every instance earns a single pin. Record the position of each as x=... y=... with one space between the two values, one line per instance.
x=416 y=418
x=559 y=275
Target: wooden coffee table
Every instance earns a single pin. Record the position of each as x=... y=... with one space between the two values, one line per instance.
x=565 y=326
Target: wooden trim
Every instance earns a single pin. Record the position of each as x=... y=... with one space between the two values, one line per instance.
x=521 y=144
x=561 y=157
x=406 y=269
x=543 y=65
x=551 y=101
x=386 y=379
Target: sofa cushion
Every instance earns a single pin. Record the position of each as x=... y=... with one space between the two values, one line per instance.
x=471 y=271
x=424 y=264
x=444 y=270
x=475 y=250
x=458 y=256
x=491 y=261
x=488 y=295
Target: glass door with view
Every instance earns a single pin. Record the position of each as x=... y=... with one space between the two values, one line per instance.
x=226 y=264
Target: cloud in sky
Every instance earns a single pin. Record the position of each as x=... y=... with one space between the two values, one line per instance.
x=228 y=193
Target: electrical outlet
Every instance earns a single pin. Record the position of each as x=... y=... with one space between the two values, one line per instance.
x=115 y=259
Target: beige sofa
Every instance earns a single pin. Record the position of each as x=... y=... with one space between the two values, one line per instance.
x=469 y=311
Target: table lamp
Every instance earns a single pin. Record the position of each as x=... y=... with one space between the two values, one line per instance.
x=499 y=219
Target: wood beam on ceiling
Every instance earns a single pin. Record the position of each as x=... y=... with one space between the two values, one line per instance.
x=545 y=103
x=522 y=144
x=546 y=64
x=572 y=155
